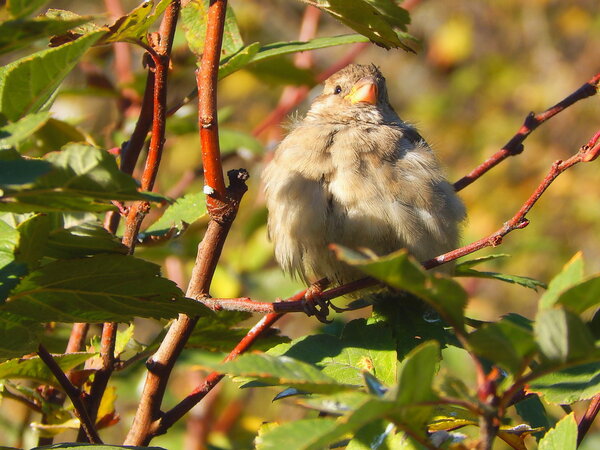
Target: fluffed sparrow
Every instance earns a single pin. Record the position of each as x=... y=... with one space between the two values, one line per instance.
x=353 y=173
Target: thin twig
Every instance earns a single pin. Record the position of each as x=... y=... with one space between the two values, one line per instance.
x=532 y=121
x=73 y=393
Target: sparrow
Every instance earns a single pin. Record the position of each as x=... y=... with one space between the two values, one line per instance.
x=353 y=173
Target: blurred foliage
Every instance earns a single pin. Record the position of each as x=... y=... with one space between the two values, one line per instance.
x=479 y=69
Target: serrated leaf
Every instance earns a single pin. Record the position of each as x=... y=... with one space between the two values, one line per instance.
x=531 y=283
x=378 y=20
x=135 y=24
x=10 y=270
x=298 y=435
x=562 y=437
x=582 y=296
x=22 y=8
x=223 y=339
x=415 y=380
x=255 y=53
x=285 y=371
x=18 y=337
x=186 y=209
x=21 y=172
x=504 y=343
x=33 y=239
x=569 y=385
x=27 y=85
x=35 y=369
x=16 y=34
x=401 y=271
x=532 y=410
x=570 y=275
x=101 y=288
x=476 y=261
x=14 y=133
x=562 y=336
x=193 y=18
x=362 y=347
x=85 y=239
x=82 y=177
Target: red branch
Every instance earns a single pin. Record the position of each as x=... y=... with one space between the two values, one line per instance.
x=532 y=121
x=588 y=418
x=206 y=79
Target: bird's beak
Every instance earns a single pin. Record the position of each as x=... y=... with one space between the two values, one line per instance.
x=365 y=90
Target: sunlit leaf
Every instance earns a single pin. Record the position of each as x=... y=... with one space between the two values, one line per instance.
x=13 y=133
x=135 y=24
x=562 y=437
x=35 y=369
x=185 y=210
x=569 y=385
x=571 y=275
x=82 y=178
x=28 y=84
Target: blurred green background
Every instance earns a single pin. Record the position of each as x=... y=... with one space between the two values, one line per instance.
x=480 y=68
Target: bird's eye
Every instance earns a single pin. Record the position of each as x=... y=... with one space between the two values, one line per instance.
x=337 y=90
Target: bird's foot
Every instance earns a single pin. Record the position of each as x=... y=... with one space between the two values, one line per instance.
x=314 y=304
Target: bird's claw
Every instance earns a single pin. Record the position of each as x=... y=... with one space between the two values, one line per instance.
x=314 y=305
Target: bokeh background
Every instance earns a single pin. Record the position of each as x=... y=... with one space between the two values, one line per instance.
x=479 y=69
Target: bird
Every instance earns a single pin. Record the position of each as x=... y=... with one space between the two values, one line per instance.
x=352 y=173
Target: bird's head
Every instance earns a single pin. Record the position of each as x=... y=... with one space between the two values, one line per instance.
x=355 y=93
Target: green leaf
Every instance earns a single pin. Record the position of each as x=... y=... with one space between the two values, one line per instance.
x=363 y=346
x=193 y=18
x=504 y=343
x=21 y=172
x=562 y=336
x=237 y=60
x=101 y=288
x=22 y=8
x=562 y=437
x=464 y=271
x=18 y=337
x=401 y=271
x=254 y=53
x=28 y=84
x=35 y=369
x=135 y=24
x=415 y=380
x=82 y=178
x=297 y=435
x=220 y=338
x=476 y=261
x=185 y=210
x=285 y=371
x=16 y=132
x=582 y=296
x=571 y=275
x=33 y=239
x=282 y=70
x=569 y=385
x=15 y=34
x=10 y=270
x=286 y=47
x=378 y=20
x=86 y=239
x=532 y=410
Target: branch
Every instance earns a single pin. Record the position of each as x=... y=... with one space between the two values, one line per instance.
x=587 y=153
x=588 y=418
x=73 y=393
x=161 y=46
x=222 y=206
x=515 y=145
